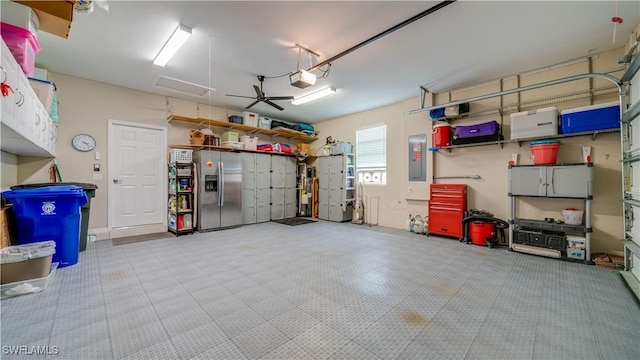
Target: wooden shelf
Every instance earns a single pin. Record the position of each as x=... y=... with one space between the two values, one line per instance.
x=282 y=132
x=222 y=148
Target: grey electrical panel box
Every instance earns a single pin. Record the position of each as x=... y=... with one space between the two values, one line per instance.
x=417 y=158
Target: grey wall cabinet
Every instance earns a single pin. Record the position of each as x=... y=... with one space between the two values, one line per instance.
x=336 y=193
x=550 y=181
x=283 y=187
x=564 y=181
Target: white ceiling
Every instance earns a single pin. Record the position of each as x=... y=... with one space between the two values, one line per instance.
x=466 y=42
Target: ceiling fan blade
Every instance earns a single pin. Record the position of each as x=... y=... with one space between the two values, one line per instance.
x=242 y=96
x=274 y=105
x=258 y=91
x=253 y=103
x=280 y=98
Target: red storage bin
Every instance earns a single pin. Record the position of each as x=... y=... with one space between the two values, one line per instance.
x=545 y=152
x=23 y=45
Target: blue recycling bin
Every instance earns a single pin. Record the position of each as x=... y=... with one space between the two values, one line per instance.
x=50 y=213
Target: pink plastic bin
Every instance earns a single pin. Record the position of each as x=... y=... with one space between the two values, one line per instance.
x=23 y=45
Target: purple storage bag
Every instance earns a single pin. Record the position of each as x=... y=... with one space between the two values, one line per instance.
x=469 y=131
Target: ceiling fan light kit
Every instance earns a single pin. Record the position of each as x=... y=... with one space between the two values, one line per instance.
x=302 y=79
x=314 y=95
x=177 y=39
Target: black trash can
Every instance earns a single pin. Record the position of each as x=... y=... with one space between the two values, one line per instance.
x=89 y=189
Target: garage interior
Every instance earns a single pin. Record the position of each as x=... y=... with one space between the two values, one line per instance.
x=332 y=288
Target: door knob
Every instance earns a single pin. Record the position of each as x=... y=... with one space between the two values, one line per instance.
x=117 y=181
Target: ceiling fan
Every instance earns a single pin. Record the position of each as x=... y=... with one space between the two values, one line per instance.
x=261 y=96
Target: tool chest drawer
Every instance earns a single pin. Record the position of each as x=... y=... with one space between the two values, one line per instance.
x=447 y=205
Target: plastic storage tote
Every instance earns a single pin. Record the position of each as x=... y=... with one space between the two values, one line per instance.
x=25 y=262
x=89 y=189
x=50 y=213
x=23 y=44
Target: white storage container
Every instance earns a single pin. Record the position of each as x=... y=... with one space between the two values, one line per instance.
x=572 y=217
x=181 y=156
x=250 y=142
x=264 y=122
x=44 y=91
x=28 y=286
x=578 y=242
x=534 y=123
x=232 y=144
x=19 y=15
x=250 y=119
x=575 y=253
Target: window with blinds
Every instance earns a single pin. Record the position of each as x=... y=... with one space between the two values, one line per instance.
x=371 y=152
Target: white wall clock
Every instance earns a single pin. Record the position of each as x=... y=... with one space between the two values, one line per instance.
x=83 y=142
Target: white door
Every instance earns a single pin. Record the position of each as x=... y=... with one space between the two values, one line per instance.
x=137 y=172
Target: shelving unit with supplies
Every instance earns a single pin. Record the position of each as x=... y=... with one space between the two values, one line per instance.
x=337 y=192
x=180 y=198
x=561 y=181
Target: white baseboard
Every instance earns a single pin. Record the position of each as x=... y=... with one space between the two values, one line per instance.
x=137 y=230
x=100 y=233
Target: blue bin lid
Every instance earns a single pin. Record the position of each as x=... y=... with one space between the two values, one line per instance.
x=70 y=191
x=544 y=142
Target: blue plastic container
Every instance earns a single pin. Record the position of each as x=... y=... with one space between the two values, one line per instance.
x=50 y=213
x=590 y=118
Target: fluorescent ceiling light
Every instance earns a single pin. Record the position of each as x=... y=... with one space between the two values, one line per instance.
x=314 y=95
x=179 y=36
x=302 y=79
x=182 y=86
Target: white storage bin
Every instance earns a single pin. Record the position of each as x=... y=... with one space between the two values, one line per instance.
x=250 y=142
x=264 y=122
x=534 y=123
x=232 y=144
x=19 y=15
x=572 y=217
x=250 y=119
x=28 y=286
x=181 y=156
x=44 y=91
x=578 y=242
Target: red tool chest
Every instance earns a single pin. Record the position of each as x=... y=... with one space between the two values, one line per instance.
x=447 y=205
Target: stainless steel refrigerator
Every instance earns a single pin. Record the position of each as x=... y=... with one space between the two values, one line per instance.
x=219 y=189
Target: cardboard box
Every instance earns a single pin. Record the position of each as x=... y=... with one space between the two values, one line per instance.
x=55 y=16
x=609 y=261
x=5 y=226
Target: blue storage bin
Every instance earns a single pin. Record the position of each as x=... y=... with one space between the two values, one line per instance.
x=50 y=213
x=590 y=118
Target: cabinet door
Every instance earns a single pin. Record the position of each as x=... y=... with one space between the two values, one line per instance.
x=263 y=171
x=263 y=210
x=277 y=203
x=527 y=181
x=9 y=74
x=289 y=172
x=249 y=175
x=290 y=208
x=249 y=206
x=335 y=212
x=569 y=181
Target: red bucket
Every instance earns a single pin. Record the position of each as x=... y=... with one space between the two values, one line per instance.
x=481 y=231
x=441 y=135
x=545 y=152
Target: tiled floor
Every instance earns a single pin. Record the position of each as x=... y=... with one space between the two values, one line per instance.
x=322 y=291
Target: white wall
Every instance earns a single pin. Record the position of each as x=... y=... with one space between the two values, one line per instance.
x=489 y=192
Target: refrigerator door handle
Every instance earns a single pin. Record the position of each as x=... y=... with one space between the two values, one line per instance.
x=221 y=177
x=219 y=184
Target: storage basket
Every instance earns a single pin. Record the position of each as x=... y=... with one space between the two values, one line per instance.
x=181 y=155
x=545 y=152
x=572 y=217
